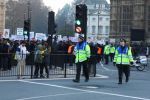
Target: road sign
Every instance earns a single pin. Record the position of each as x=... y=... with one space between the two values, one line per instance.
x=19 y=31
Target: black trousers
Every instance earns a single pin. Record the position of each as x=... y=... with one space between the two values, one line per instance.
x=5 y=63
x=85 y=70
x=123 y=69
x=112 y=56
x=106 y=59
x=46 y=69
x=41 y=67
x=37 y=67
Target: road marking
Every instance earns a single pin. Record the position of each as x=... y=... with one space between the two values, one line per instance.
x=107 y=69
x=52 y=96
x=88 y=91
x=102 y=76
x=53 y=79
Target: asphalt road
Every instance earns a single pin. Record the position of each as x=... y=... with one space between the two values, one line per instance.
x=103 y=87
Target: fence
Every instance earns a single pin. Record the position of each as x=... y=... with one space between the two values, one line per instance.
x=59 y=65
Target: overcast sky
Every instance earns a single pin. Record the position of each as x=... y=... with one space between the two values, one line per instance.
x=58 y=4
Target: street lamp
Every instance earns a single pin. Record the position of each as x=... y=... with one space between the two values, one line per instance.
x=98 y=14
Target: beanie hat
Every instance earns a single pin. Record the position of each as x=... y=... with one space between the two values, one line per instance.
x=81 y=37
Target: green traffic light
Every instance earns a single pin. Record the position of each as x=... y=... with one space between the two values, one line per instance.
x=78 y=22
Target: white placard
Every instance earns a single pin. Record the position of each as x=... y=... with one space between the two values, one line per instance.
x=32 y=35
x=40 y=36
x=6 y=33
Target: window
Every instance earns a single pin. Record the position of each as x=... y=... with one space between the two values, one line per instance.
x=100 y=18
x=107 y=29
x=149 y=12
x=93 y=29
x=107 y=19
x=100 y=29
x=93 y=19
x=148 y=26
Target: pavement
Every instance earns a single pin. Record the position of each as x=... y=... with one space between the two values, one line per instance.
x=103 y=87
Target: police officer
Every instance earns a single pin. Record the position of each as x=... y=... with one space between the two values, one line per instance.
x=82 y=53
x=123 y=58
x=112 y=52
x=106 y=52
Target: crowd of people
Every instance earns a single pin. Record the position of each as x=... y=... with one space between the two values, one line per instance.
x=42 y=55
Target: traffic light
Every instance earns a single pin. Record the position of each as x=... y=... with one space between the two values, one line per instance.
x=81 y=19
x=51 y=23
x=26 y=26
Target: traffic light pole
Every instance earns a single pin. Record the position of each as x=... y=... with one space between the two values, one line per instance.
x=29 y=21
x=81 y=20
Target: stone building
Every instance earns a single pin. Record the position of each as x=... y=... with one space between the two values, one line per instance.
x=126 y=15
x=2 y=16
x=98 y=23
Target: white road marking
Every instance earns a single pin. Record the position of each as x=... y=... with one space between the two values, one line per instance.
x=65 y=94
x=102 y=76
x=88 y=91
x=107 y=69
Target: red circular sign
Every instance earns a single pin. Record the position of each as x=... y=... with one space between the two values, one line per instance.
x=78 y=29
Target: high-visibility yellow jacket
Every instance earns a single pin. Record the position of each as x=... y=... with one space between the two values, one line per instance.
x=123 y=56
x=107 y=50
x=82 y=52
x=112 y=49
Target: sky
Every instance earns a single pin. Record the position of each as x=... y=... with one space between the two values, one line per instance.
x=57 y=4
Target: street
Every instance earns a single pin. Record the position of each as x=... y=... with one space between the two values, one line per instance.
x=103 y=87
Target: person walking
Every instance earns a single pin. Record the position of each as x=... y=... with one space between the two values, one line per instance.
x=123 y=58
x=112 y=52
x=82 y=53
x=106 y=52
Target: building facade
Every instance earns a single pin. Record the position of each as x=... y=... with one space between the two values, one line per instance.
x=126 y=15
x=2 y=16
x=98 y=23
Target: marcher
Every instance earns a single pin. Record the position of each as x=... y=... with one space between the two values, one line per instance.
x=21 y=53
x=46 y=60
x=123 y=58
x=82 y=53
x=38 y=59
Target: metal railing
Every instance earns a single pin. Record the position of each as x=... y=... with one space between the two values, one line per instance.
x=59 y=65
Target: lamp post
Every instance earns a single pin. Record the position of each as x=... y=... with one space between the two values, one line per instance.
x=98 y=14
x=29 y=19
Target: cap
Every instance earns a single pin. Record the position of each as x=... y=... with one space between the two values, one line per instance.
x=81 y=37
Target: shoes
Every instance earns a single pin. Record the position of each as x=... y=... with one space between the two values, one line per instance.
x=127 y=80
x=18 y=77
x=86 y=80
x=47 y=76
x=120 y=83
x=76 y=81
x=42 y=76
x=35 y=76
